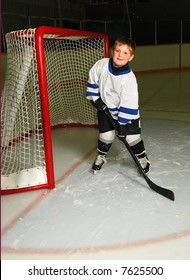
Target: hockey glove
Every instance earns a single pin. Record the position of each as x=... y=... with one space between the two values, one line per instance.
x=99 y=104
x=121 y=131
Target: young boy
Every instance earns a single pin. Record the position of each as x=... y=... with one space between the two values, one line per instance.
x=112 y=84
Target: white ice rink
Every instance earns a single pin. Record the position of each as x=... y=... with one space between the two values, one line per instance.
x=114 y=214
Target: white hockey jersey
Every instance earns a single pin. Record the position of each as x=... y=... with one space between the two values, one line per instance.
x=118 y=90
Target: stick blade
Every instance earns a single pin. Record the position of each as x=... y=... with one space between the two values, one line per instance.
x=165 y=192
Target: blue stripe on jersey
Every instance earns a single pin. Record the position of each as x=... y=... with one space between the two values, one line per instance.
x=128 y=111
x=114 y=111
x=90 y=93
x=92 y=85
x=115 y=114
x=123 y=120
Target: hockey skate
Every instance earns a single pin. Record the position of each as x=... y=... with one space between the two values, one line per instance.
x=97 y=165
x=145 y=164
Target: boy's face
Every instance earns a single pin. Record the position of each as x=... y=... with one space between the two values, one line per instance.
x=121 y=55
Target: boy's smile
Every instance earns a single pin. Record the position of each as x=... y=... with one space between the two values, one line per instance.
x=122 y=55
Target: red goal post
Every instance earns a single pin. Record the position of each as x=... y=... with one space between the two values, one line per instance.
x=45 y=85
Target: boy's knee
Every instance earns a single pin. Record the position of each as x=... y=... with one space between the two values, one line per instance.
x=107 y=137
x=133 y=139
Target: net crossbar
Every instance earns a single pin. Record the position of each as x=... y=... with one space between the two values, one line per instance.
x=45 y=84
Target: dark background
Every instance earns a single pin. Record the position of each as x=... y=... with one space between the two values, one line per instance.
x=148 y=22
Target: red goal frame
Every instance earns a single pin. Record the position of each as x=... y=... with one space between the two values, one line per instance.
x=40 y=32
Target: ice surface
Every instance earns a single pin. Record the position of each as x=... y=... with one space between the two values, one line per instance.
x=116 y=206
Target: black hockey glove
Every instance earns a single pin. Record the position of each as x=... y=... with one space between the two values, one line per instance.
x=121 y=131
x=99 y=104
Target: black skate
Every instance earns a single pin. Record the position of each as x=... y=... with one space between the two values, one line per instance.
x=97 y=165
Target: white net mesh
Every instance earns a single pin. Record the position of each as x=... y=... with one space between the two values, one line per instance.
x=67 y=63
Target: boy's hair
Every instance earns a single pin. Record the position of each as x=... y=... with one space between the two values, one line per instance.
x=125 y=41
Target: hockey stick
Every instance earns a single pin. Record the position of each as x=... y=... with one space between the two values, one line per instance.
x=165 y=192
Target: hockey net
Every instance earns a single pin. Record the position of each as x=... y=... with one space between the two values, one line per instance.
x=45 y=85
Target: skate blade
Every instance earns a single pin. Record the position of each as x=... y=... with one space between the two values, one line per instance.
x=95 y=172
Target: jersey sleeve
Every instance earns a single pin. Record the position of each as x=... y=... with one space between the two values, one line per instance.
x=92 y=91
